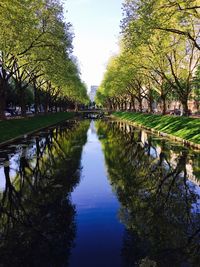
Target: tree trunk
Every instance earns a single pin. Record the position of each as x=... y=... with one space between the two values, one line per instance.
x=36 y=98
x=185 y=107
x=76 y=107
x=46 y=103
x=22 y=102
x=150 y=108
x=46 y=107
x=125 y=105
x=2 y=104
x=150 y=102
x=132 y=104
x=163 y=99
x=140 y=105
x=3 y=90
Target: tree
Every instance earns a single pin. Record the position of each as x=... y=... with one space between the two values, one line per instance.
x=154 y=62
x=41 y=53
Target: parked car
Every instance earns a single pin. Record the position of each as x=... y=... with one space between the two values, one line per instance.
x=29 y=112
x=12 y=111
x=7 y=114
x=32 y=110
x=174 y=112
x=177 y=112
x=169 y=111
x=145 y=110
x=18 y=112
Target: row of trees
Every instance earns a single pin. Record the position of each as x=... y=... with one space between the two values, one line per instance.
x=36 y=55
x=159 y=56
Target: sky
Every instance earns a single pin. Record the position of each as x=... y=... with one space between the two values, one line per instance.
x=96 y=28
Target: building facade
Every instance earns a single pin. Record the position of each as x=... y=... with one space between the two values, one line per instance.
x=92 y=94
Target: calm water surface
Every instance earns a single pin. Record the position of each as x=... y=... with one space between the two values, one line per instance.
x=99 y=233
x=99 y=194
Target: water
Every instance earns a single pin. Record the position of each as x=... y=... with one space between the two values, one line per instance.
x=99 y=194
x=97 y=209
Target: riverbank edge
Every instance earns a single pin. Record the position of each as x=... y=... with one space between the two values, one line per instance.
x=69 y=115
x=185 y=142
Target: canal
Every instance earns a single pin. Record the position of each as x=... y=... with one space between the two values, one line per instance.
x=99 y=194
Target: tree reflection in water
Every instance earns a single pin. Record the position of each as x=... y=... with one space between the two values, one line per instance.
x=37 y=225
x=159 y=204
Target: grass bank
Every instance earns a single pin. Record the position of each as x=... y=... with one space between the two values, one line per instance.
x=14 y=128
x=182 y=127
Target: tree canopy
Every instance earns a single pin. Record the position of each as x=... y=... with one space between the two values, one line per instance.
x=158 y=59
x=36 y=50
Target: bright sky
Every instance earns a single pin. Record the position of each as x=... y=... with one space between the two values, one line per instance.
x=96 y=28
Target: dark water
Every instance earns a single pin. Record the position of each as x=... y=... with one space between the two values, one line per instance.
x=100 y=194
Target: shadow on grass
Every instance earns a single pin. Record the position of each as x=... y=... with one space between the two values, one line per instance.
x=183 y=127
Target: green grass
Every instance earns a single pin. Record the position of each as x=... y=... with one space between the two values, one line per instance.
x=14 y=128
x=183 y=127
